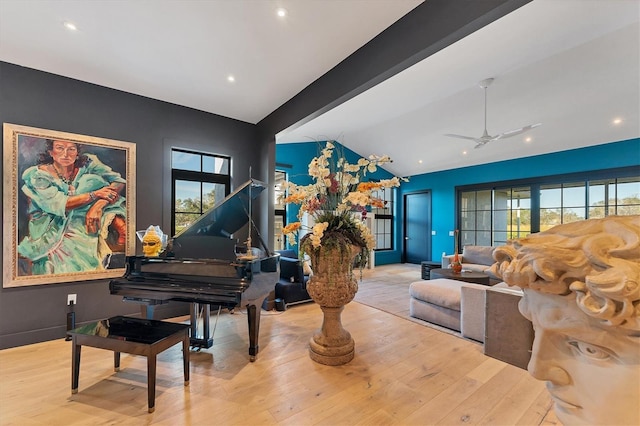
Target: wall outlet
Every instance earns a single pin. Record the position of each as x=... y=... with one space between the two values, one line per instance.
x=433 y=232
x=451 y=233
x=72 y=298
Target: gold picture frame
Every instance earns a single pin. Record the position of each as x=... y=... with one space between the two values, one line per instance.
x=68 y=206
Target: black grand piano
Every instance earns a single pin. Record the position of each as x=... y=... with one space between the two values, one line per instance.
x=204 y=265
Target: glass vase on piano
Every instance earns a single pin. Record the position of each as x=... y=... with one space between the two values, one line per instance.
x=204 y=265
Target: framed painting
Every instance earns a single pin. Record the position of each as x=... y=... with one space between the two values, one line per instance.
x=68 y=206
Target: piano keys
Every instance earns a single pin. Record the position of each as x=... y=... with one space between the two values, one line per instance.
x=205 y=265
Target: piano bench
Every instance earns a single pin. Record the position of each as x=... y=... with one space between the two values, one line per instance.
x=134 y=336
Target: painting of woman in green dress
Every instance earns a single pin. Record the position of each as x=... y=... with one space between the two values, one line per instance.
x=75 y=207
x=69 y=206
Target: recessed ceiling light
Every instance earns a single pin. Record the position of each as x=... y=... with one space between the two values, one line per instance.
x=528 y=139
x=281 y=12
x=617 y=120
x=419 y=161
x=231 y=78
x=464 y=152
x=70 y=26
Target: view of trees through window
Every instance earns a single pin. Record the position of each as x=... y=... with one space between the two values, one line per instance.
x=491 y=216
x=199 y=181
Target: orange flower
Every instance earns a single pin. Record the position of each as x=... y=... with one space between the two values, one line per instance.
x=377 y=203
x=368 y=186
x=295 y=198
x=292 y=227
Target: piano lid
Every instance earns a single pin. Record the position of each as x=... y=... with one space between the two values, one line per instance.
x=228 y=216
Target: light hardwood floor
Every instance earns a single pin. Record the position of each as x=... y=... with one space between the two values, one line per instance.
x=404 y=373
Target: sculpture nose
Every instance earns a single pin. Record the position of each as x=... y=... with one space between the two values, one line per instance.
x=544 y=363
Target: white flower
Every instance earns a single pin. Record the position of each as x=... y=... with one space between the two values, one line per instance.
x=317 y=232
x=351 y=168
x=390 y=183
x=338 y=188
x=366 y=234
x=358 y=198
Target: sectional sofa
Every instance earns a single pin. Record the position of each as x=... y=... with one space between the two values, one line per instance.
x=475 y=259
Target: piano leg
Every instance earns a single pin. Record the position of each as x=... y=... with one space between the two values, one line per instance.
x=253 y=316
x=196 y=341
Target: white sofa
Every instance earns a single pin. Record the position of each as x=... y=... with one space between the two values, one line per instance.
x=475 y=259
x=438 y=301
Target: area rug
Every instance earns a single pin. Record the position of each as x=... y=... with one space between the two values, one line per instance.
x=386 y=288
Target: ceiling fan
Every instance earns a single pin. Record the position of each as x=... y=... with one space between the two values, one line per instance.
x=486 y=137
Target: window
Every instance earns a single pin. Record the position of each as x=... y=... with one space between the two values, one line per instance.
x=491 y=214
x=611 y=196
x=562 y=203
x=198 y=182
x=512 y=213
x=383 y=218
x=627 y=197
x=280 y=211
x=475 y=217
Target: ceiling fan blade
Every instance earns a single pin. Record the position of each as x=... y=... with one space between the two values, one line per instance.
x=462 y=137
x=516 y=132
x=486 y=137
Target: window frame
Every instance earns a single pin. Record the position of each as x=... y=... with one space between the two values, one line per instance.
x=196 y=176
x=535 y=185
x=379 y=217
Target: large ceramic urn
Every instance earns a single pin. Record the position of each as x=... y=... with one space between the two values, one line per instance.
x=332 y=286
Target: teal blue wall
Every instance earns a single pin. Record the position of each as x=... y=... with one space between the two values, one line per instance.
x=442 y=184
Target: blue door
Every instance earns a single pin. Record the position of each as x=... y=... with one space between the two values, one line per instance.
x=417 y=227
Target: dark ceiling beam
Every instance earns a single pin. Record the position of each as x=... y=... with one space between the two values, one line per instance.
x=427 y=29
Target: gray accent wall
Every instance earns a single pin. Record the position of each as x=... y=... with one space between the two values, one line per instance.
x=37 y=99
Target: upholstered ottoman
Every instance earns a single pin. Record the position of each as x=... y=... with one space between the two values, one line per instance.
x=473 y=303
x=437 y=301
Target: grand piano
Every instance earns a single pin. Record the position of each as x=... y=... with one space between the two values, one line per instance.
x=205 y=265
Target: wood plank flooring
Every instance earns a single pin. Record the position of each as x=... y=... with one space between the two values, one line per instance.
x=404 y=373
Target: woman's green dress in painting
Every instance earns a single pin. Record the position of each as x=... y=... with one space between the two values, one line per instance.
x=58 y=241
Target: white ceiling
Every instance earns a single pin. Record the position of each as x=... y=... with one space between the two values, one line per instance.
x=572 y=65
x=181 y=51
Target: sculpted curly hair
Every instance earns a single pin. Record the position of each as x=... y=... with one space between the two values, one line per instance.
x=598 y=259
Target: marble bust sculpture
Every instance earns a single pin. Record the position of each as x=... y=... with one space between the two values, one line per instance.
x=581 y=284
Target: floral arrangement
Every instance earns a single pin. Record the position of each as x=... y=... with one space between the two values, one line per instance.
x=338 y=190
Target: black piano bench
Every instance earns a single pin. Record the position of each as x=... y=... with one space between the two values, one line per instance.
x=134 y=336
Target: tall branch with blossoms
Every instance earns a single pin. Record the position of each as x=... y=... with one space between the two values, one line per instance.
x=338 y=189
